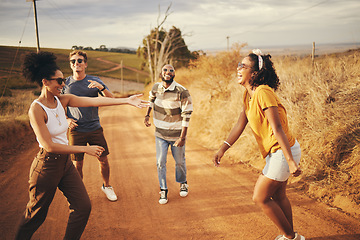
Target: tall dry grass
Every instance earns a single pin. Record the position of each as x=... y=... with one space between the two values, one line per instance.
x=322 y=102
x=15 y=130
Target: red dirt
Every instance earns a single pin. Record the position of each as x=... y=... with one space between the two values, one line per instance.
x=218 y=206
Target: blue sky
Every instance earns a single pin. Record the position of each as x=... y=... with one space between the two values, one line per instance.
x=205 y=23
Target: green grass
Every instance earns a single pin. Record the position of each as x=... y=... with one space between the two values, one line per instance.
x=11 y=60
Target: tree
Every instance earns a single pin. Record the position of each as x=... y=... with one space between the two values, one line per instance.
x=162 y=47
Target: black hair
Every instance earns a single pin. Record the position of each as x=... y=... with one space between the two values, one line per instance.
x=38 y=66
x=266 y=75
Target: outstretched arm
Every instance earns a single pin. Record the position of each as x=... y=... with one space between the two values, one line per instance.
x=75 y=101
x=272 y=114
x=232 y=138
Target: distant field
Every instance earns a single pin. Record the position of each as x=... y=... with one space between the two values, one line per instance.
x=11 y=59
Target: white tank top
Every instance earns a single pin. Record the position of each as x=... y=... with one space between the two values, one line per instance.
x=56 y=123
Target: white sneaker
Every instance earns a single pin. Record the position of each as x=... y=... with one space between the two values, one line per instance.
x=109 y=192
x=297 y=237
x=184 y=191
x=163 y=196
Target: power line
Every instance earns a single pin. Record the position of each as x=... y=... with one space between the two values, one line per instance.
x=62 y=14
x=17 y=51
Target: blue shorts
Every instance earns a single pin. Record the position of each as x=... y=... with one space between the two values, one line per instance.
x=276 y=167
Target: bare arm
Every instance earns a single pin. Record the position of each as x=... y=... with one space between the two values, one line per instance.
x=75 y=101
x=272 y=114
x=37 y=119
x=232 y=138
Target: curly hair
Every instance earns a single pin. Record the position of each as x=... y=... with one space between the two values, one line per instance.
x=38 y=66
x=266 y=75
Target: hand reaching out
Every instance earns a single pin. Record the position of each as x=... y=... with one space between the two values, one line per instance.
x=135 y=101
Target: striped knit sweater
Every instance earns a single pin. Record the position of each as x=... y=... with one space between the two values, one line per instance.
x=172 y=109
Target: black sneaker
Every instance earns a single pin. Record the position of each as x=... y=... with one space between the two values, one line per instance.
x=184 y=189
x=163 y=196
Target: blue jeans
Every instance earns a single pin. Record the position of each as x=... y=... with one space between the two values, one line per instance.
x=179 y=157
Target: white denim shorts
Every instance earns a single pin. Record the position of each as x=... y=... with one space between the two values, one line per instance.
x=276 y=167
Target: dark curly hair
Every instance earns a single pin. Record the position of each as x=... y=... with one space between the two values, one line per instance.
x=38 y=66
x=266 y=75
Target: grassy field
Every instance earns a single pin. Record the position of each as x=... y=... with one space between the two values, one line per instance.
x=321 y=98
x=11 y=58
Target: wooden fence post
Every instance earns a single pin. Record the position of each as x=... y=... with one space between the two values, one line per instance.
x=313 y=54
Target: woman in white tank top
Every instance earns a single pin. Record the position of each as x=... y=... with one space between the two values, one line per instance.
x=52 y=168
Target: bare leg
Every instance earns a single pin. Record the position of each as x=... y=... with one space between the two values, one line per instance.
x=105 y=170
x=79 y=167
x=282 y=200
x=265 y=189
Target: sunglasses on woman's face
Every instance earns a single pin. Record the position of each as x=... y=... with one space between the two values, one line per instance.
x=170 y=70
x=241 y=65
x=79 y=60
x=59 y=80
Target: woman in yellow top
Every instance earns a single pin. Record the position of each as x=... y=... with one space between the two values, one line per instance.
x=268 y=121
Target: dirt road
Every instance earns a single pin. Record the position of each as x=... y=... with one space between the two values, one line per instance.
x=218 y=206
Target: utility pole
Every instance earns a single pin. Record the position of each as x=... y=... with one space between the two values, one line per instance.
x=36 y=25
x=122 y=77
x=227 y=42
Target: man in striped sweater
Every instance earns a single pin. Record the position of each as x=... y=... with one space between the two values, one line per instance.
x=172 y=106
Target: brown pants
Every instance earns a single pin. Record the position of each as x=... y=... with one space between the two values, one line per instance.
x=48 y=172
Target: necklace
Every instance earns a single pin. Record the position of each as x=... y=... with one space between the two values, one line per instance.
x=57 y=116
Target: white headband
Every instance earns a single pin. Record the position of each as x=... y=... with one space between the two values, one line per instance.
x=259 y=53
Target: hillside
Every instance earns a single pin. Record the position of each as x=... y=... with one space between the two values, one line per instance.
x=99 y=64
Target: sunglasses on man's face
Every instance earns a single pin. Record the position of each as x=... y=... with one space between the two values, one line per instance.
x=170 y=70
x=59 y=80
x=79 y=60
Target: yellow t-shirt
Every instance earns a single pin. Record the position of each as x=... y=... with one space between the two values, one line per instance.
x=265 y=97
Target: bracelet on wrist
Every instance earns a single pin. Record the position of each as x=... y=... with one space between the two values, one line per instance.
x=147 y=115
x=227 y=143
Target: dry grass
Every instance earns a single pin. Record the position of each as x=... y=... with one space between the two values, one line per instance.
x=323 y=106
